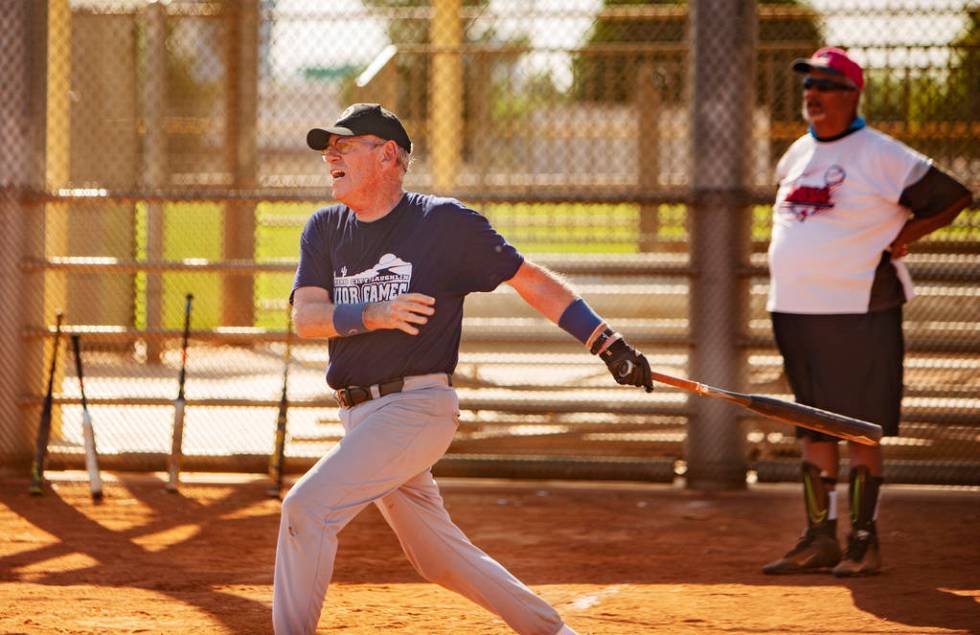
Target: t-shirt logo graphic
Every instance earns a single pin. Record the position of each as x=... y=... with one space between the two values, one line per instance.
x=804 y=201
x=391 y=277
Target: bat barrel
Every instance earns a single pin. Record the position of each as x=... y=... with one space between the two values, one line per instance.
x=177 y=441
x=857 y=430
x=863 y=432
x=44 y=424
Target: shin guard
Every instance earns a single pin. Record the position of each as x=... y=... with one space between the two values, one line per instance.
x=819 y=497
x=863 y=494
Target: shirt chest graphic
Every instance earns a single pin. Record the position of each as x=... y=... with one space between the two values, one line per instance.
x=807 y=197
x=389 y=278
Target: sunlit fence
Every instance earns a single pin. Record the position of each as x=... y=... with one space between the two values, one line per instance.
x=156 y=149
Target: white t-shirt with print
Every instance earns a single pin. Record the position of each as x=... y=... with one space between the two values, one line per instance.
x=836 y=212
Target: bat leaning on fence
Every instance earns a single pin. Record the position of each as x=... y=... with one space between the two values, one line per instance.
x=177 y=441
x=88 y=432
x=44 y=425
x=278 y=457
x=856 y=430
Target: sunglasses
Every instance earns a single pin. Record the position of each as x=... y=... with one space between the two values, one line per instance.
x=346 y=145
x=826 y=85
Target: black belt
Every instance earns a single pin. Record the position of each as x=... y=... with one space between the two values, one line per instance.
x=353 y=395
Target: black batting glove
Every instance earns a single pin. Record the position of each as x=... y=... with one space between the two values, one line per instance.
x=627 y=365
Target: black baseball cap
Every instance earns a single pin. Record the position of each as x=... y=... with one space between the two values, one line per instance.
x=361 y=119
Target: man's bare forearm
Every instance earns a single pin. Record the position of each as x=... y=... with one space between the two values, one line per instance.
x=319 y=318
x=543 y=290
x=314 y=319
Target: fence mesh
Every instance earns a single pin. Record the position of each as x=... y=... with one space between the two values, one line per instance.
x=166 y=155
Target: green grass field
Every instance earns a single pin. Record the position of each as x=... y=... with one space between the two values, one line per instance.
x=196 y=231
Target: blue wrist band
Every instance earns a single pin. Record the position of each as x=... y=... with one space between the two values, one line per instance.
x=580 y=320
x=348 y=319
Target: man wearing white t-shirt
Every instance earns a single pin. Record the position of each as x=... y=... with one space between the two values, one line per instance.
x=850 y=200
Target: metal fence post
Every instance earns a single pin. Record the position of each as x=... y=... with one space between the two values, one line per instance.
x=57 y=173
x=153 y=91
x=22 y=42
x=649 y=112
x=241 y=112
x=445 y=132
x=721 y=112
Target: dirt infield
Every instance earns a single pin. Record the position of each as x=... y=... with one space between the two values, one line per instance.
x=613 y=558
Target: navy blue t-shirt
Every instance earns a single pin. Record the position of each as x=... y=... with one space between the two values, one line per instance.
x=427 y=244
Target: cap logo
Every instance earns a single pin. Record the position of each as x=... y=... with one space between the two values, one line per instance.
x=347 y=113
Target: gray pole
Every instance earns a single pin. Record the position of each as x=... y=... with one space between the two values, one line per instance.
x=648 y=139
x=154 y=99
x=723 y=63
x=23 y=42
x=238 y=300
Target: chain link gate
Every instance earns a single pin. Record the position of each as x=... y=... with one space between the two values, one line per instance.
x=153 y=149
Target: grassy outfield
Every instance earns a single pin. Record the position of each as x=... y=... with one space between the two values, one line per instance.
x=195 y=230
x=191 y=230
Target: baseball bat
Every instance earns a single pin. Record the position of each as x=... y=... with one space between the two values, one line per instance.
x=863 y=432
x=177 y=441
x=278 y=457
x=44 y=425
x=88 y=432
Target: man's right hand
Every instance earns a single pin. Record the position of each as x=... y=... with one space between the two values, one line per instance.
x=401 y=312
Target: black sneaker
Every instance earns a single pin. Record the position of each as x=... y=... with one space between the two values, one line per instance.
x=862 y=556
x=816 y=551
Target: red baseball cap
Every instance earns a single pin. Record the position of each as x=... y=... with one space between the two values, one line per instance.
x=832 y=60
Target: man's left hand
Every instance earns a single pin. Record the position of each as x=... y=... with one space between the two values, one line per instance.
x=627 y=365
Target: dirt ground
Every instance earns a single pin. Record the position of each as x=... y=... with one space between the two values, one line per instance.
x=612 y=558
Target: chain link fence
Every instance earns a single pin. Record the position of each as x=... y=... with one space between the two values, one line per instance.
x=154 y=149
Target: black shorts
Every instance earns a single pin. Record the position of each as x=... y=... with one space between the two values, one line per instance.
x=850 y=364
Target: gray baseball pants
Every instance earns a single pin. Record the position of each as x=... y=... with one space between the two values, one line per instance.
x=385 y=457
